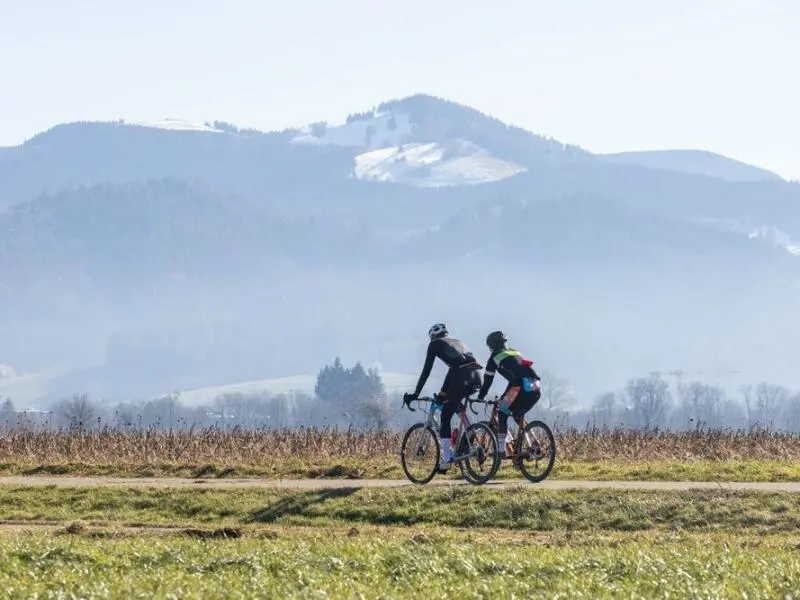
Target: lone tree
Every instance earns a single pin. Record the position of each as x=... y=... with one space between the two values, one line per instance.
x=77 y=411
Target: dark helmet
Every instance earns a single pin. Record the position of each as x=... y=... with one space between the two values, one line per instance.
x=496 y=340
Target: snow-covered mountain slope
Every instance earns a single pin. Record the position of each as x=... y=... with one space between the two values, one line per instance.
x=434 y=164
x=395 y=148
x=371 y=133
x=175 y=125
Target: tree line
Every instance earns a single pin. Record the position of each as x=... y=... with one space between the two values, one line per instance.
x=355 y=397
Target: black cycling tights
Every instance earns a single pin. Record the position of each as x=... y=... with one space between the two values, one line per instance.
x=524 y=402
x=457 y=386
x=449 y=408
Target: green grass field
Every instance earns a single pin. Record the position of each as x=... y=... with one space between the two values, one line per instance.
x=398 y=564
x=389 y=468
x=462 y=507
x=115 y=542
x=415 y=542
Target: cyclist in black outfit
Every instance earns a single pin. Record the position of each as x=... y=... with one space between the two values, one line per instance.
x=522 y=392
x=463 y=378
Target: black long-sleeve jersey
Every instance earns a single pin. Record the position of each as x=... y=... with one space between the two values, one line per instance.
x=510 y=364
x=450 y=351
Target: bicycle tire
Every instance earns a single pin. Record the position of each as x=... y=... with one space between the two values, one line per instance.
x=518 y=450
x=467 y=471
x=434 y=468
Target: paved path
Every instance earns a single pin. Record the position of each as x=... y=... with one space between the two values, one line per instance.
x=314 y=484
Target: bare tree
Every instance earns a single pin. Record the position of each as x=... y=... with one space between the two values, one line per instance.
x=603 y=408
x=650 y=399
x=769 y=399
x=556 y=391
x=77 y=412
x=790 y=413
x=374 y=412
x=747 y=397
x=702 y=403
x=163 y=412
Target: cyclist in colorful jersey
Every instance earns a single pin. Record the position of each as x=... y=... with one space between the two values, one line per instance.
x=463 y=378
x=522 y=392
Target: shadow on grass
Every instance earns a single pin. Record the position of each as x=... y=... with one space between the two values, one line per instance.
x=48 y=470
x=297 y=504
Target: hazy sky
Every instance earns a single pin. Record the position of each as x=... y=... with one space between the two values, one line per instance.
x=608 y=75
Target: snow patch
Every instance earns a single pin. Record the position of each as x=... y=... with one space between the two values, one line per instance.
x=770 y=234
x=434 y=164
x=176 y=125
x=765 y=234
x=382 y=130
x=393 y=382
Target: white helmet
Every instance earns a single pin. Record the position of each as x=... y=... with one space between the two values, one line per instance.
x=437 y=331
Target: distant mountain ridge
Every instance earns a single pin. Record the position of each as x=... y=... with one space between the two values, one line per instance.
x=172 y=255
x=697 y=162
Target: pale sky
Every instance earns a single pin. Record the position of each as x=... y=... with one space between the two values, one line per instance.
x=608 y=75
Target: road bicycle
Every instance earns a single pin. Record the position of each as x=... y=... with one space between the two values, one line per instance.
x=475 y=447
x=533 y=450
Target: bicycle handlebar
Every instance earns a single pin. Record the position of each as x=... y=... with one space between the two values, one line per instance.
x=479 y=401
x=409 y=398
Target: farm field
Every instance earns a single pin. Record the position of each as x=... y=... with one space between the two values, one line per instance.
x=389 y=543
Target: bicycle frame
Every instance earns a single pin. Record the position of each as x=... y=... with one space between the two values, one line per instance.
x=463 y=423
x=496 y=415
x=521 y=425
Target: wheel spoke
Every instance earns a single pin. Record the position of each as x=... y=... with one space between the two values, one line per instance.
x=419 y=454
x=535 y=451
x=483 y=459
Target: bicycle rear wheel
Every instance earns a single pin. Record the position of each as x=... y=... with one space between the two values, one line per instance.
x=479 y=443
x=535 y=451
x=419 y=454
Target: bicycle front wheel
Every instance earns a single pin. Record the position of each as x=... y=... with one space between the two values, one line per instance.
x=483 y=456
x=535 y=451
x=419 y=454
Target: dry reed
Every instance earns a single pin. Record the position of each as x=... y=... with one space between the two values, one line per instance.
x=241 y=447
